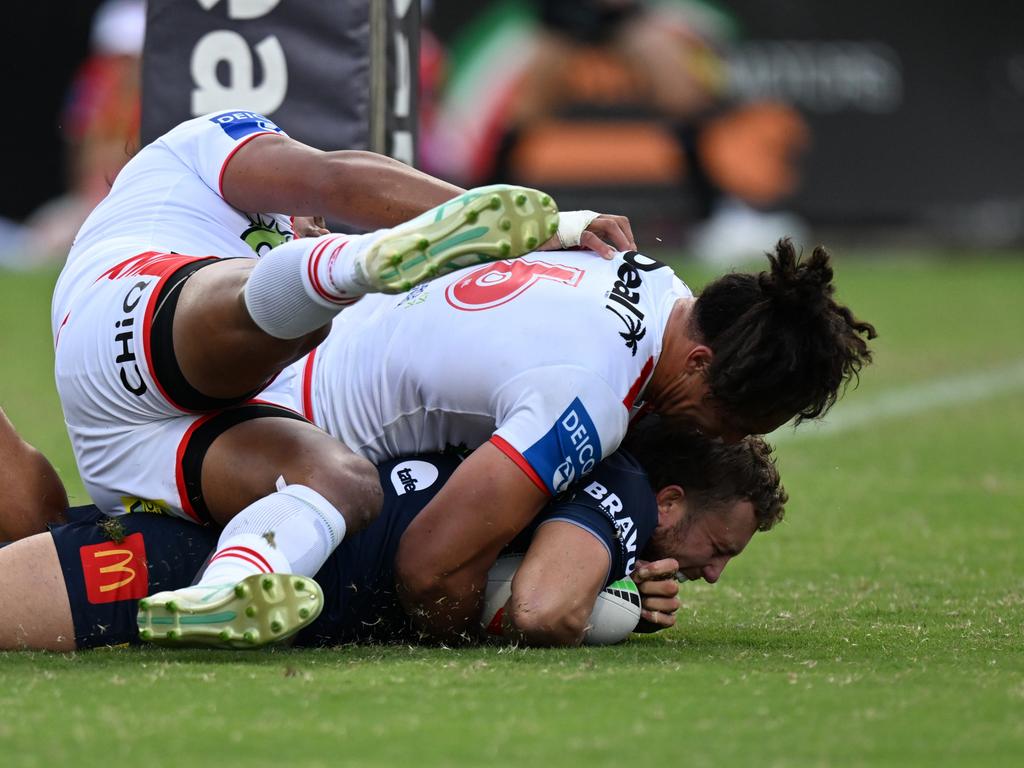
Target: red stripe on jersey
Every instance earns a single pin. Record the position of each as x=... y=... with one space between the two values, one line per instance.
x=307 y=387
x=63 y=322
x=505 y=447
x=250 y=556
x=634 y=391
x=179 y=474
x=642 y=411
x=231 y=154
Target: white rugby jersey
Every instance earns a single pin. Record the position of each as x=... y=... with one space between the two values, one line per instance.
x=168 y=198
x=543 y=355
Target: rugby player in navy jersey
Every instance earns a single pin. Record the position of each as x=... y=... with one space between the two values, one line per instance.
x=666 y=503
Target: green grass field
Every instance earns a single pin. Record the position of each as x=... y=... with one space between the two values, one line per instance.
x=880 y=624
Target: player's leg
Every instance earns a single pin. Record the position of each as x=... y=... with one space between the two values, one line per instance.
x=237 y=323
x=34 y=607
x=124 y=396
x=299 y=491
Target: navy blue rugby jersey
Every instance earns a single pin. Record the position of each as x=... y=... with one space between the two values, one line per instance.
x=109 y=564
x=615 y=503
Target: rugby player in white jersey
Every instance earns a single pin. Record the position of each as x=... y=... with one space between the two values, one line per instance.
x=167 y=327
x=538 y=363
x=748 y=355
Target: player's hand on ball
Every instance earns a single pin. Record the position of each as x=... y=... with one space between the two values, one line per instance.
x=604 y=233
x=659 y=594
x=309 y=226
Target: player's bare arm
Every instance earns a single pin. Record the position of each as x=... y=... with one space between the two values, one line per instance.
x=363 y=189
x=444 y=555
x=554 y=590
x=370 y=191
x=33 y=493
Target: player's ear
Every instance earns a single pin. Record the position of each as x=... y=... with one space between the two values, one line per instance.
x=699 y=359
x=671 y=505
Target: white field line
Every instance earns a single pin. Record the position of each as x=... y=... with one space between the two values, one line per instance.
x=905 y=401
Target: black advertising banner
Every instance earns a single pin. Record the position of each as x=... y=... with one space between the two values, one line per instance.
x=335 y=75
x=916 y=109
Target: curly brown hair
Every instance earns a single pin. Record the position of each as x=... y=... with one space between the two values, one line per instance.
x=782 y=345
x=708 y=470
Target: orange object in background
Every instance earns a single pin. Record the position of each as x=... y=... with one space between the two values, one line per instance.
x=565 y=152
x=751 y=152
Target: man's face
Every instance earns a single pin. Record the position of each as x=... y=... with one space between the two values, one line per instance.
x=680 y=390
x=704 y=541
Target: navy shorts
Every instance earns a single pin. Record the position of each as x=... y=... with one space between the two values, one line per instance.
x=110 y=563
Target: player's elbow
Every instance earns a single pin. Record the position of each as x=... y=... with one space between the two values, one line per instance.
x=418 y=585
x=424 y=586
x=439 y=603
x=545 y=622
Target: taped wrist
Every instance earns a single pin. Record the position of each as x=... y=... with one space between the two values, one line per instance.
x=571 y=226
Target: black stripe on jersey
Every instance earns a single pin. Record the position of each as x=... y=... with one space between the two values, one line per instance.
x=201 y=440
x=166 y=370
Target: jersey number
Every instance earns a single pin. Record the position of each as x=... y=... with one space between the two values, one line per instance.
x=495 y=284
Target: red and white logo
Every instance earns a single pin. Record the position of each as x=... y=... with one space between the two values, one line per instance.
x=115 y=571
x=150 y=263
x=495 y=284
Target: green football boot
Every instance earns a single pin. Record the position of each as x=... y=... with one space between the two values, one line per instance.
x=481 y=225
x=259 y=610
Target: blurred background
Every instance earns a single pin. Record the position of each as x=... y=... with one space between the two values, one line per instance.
x=717 y=126
x=879 y=625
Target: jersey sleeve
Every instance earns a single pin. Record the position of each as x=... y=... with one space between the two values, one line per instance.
x=556 y=423
x=616 y=505
x=205 y=144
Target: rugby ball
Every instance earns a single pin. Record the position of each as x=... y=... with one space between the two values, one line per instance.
x=616 y=612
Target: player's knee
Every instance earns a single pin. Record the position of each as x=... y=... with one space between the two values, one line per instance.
x=317 y=337
x=303 y=345
x=349 y=482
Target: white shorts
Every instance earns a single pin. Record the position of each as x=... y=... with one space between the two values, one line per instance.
x=138 y=430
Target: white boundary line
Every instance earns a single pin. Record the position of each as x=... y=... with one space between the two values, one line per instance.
x=905 y=401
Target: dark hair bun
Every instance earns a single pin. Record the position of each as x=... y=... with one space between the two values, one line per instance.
x=795 y=286
x=782 y=345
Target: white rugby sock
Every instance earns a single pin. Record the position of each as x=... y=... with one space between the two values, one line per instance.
x=291 y=531
x=301 y=285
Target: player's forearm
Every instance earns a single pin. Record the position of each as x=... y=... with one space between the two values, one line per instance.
x=363 y=189
x=554 y=589
x=444 y=555
x=370 y=191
